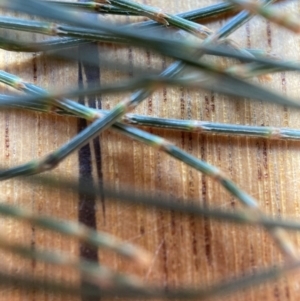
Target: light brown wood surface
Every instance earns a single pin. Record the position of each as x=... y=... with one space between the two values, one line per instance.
x=185 y=250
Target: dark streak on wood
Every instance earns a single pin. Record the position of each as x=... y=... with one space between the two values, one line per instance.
x=212 y=105
x=285 y=108
x=259 y=167
x=206 y=222
x=269 y=35
x=150 y=100
x=194 y=242
x=6 y=139
x=165 y=262
x=130 y=60
x=265 y=157
x=206 y=106
x=87 y=213
x=87 y=204
x=32 y=246
x=33 y=230
x=276 y=293
x=34 y=68
x=262 y=159
x=287 y=292
x=92 y=74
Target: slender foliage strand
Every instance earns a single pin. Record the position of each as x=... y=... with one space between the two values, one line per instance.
x=287 y=20
x=60 y=19
x=100 y=275
x=91 y=6
x=162 y=17
x=52 y=159
x=77 y=230
x=137 y=97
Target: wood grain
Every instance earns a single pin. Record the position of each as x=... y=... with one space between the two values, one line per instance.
x=185 y=250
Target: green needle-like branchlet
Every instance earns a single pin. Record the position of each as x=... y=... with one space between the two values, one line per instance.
x=49 y=161
x=78 y=31
x=128 y=104
x=220 y=289
x=53 y=44
x=92 y=6
x=97 y=274
x=78 y=231
x=162 y=17
x=289 y=21
x=196 y=126
x=215 y=128
x=162 y=201
x=43 y=46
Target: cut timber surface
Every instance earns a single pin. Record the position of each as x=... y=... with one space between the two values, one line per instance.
x=185 y=250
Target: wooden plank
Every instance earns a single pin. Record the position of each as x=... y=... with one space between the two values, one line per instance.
x=185 y=250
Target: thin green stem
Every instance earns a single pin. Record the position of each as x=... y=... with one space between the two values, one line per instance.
x=141 y=9
x=215 y=128
x=47 y=45
x=165 y=18
x=196 y=14
x=128 y=104
x=289 y=21
x=278 y=234
x=44 y=27
x=87 y=27
x=164 y=202
x=221 y=289
x=94 y=7
x=53 y=29
x=196 y=126
x=152 y=140
x=192 y=15
x=100 y=275
x=78 y=231
x=251 y=215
